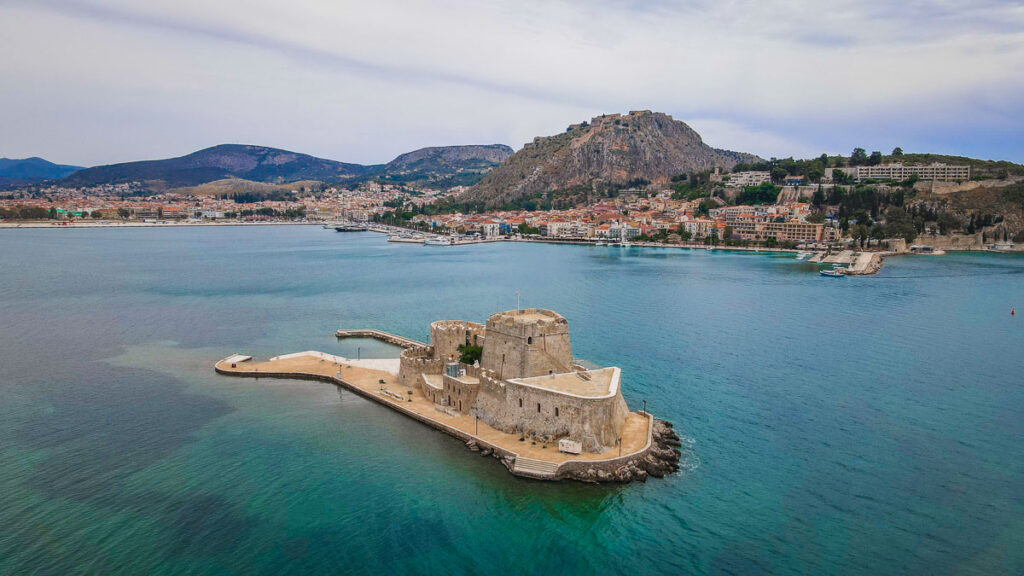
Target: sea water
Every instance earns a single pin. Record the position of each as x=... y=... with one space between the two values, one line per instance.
x=832 y=426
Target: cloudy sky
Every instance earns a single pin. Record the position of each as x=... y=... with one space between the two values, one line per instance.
x=100 y=81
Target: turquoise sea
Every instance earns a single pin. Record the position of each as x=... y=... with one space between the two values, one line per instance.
x=833 y=426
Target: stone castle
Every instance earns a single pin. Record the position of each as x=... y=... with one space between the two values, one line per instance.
x=525 y=381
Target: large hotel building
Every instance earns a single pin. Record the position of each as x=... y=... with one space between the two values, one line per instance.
x=899 y=172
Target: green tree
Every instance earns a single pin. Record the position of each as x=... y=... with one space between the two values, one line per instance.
x=122 y=213
x=859 y=157
x=469 y=354
x=897 y=152
x=875 y=159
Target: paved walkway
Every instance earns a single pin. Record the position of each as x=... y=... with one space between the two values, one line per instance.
x=368 y=382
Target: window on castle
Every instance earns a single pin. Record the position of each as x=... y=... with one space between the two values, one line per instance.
x=556 y=412
x=520 y=402
x=538 y=407
x=529 y=339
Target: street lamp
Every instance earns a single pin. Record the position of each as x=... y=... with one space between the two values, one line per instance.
x=645 y=407
x=359 y=353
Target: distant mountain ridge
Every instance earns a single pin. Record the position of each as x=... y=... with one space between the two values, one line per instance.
x=446 y=165
x=256 y=163
x=28 y=170
x=273 y=165
x=612 y=149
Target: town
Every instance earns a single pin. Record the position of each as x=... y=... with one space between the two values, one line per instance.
x=862 y=203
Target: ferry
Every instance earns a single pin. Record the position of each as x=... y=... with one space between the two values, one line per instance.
x=350 y=228
x=437 y=241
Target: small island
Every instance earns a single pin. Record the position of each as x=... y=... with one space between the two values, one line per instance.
x=509 y=389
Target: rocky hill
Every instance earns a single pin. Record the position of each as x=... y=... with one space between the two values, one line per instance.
x=445 y=166
x=609 y=151
x=256 y=163
x=29 y=170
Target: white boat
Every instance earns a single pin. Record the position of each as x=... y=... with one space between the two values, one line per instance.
x=802 y=255
x=625 y=244
x=601 y=244
x=437 y=241
x=834 y=273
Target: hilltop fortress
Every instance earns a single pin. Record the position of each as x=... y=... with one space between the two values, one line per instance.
x=525 y=381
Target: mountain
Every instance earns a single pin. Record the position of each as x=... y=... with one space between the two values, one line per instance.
x=445 y=166
x=256 y=163
x=609 y=151
x=33 y=169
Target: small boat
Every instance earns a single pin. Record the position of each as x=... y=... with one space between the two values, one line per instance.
x=350 y=228
x=834 y=273
x=437 y=241
x=625 y=244
x=802 y=255
x=601 y=244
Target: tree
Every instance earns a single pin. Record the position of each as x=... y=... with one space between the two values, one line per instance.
x=897 y=152
x=96 y=214
x=122 y=213
x=52 y=213
x=859 y=157
x=779 y=174
x=470 y=354
x=875 y=159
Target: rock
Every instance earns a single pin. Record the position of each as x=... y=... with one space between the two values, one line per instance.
x=472 y=445
x=486 y=452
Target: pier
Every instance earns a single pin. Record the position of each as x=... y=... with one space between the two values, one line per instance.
x=381 y=335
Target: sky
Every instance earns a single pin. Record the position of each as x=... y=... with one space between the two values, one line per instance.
x=92 y=82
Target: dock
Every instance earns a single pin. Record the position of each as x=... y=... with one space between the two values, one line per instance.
x=381 y=335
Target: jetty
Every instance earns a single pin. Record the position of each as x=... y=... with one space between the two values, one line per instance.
x=381 y=335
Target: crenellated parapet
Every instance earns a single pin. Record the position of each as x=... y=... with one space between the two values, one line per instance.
x=414 y=362
x=447 y=335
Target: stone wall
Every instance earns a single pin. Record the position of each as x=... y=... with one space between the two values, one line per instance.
x=547 y=415
x=447 y=335
x=519 y=348
x=459 y=394
x=413 y=362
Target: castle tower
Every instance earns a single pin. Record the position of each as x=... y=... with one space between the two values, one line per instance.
x=525 y=343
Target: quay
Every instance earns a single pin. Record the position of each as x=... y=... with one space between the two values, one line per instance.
x=541 y=417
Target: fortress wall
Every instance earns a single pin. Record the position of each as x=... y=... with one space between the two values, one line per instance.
x=459 y=395
x=518 y=349
x=447 y=335
x=512 y=408
x=413 y=362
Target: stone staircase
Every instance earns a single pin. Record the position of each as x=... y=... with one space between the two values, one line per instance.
x=534 y=468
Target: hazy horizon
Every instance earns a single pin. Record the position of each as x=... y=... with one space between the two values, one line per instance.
x=106 y=81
